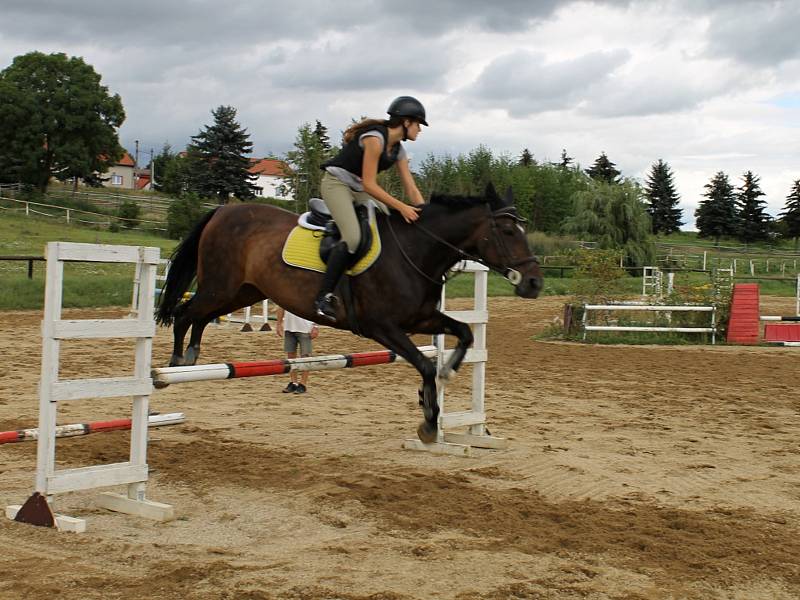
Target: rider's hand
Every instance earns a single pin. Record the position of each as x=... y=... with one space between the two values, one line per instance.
x=410 y=213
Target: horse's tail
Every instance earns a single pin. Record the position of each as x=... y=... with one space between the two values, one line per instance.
x=182 y=271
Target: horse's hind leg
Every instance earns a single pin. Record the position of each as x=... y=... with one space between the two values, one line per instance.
x=193 y=349
x=182 y=322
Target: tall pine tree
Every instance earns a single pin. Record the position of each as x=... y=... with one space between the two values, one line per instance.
x=218 y=158
x=526 y=159
x=716 y=216
x=660 y=193
x=753 y=218
x=566 y=161
x=603 y=170
x=790 y=216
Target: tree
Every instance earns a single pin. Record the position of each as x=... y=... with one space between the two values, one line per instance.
x=660 y=192
x=603 y=170
x=614 y=216
x=566 y=161
x=526 y=158
x=790 y=216
x=56 y=120
x=322 y=135
x=305 y=162
x=754 y=222
x=716 y=217
x=218 y=158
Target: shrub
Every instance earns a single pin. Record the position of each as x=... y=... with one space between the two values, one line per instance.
x=128 y=214
x=182 y=214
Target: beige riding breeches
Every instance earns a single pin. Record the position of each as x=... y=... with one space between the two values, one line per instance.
x=340 y=200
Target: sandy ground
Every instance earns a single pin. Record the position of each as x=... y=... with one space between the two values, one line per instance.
x=633 y=472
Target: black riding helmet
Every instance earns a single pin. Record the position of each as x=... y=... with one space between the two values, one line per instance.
x=406 y=106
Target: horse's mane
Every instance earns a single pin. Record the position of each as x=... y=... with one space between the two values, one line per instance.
x=451 y=202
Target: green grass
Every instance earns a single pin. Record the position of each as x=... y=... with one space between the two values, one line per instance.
x=85 y=284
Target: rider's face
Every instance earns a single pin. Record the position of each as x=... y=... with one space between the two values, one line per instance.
x=413 y=128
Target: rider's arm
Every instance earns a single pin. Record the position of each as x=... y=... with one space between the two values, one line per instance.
x=369 y=178
x=409 y=185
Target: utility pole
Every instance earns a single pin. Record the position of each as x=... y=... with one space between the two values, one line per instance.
x=152 y=171
x=136 y=158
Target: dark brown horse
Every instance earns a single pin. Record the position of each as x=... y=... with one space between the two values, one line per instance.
x=235 y=254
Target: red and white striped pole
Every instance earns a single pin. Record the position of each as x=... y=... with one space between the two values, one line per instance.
x=25 y=435
x=168 y=375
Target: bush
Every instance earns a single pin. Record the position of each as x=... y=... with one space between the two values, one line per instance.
x=128 y=213
x=182 y=214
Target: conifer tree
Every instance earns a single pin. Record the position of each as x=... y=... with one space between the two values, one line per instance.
x=218 y=158
x=526 y=159
x=322 y=135
x=566 y=161
x=603 y=170
x=753 y=218
x=660 y=192
x=716 y=216
x=790 y=216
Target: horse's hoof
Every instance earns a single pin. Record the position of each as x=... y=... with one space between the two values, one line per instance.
x=427 y=433
x=445 y=375
x=159 y=385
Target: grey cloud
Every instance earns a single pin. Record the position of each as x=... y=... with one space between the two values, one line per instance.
x=758 y=33
x=524 y=84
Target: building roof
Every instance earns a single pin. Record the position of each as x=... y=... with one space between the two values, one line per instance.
x=126 y=160
x=142 y=180
x=268 y=166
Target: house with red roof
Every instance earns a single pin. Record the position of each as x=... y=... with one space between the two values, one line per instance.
x=271 y=175
x=121 y=174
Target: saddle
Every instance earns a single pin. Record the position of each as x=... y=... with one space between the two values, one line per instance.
x=309 y=243
x=318 y=215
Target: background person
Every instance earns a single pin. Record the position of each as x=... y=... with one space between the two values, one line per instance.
x=297 y=334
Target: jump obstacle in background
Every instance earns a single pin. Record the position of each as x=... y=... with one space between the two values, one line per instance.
x=140 y=326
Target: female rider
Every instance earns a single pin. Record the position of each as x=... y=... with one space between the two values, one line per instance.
x=370 y=146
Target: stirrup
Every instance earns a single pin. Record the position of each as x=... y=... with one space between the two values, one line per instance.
x=325 y=306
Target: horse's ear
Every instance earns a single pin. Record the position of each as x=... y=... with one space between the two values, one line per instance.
x=491 y=193
x=509 y=196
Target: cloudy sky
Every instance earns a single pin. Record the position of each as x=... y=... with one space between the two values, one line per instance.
x=706 y=85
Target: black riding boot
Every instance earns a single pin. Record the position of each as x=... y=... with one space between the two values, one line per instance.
x=338 y=260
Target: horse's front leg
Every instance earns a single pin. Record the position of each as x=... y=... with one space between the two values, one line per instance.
x=397 y=341
x=440 y=323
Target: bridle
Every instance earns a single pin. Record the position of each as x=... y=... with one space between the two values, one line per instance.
x=508 y=271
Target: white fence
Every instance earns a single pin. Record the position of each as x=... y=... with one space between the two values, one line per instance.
x=712 y=329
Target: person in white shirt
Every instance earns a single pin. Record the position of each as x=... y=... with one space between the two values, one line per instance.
x=297 y=334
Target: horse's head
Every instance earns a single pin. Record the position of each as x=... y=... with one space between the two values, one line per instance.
x=504 y=246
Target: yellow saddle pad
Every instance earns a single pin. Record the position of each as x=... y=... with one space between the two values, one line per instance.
x=302 y=250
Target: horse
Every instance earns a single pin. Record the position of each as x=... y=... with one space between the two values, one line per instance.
x=234 y=253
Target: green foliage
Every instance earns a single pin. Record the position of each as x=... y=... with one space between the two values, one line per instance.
x=603 y=170
x=615 y=217
x=599 y=275
x=664 y=200
x=129 y=212
x=715 y=216
x=790 y=216
x=217 y=162
x=182 y=214
x=311 y=149
x=542 y=192
x=753 y=218
x=56 y=120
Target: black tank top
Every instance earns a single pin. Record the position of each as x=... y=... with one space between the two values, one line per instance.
x=351 y=157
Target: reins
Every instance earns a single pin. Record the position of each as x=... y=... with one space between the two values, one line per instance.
x=509 y=272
